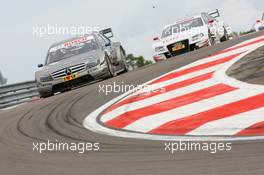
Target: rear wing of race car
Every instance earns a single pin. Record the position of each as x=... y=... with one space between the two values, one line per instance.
x=214 y=13
x=107 y=32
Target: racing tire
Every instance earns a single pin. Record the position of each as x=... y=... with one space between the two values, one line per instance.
x=110 y=68
x=123 y=58
x=225 y=37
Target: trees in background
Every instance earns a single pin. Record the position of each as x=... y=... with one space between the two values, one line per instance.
x=241 y=33
x=137 y=61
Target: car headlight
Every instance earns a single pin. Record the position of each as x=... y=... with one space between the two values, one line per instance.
x=197 y=37
x=159 y=49
x=92 y=63
x=46 y=78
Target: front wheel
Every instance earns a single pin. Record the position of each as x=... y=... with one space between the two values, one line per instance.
x=123 y=58
x=110 y=67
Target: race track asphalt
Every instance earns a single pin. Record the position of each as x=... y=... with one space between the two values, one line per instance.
x=60 y=118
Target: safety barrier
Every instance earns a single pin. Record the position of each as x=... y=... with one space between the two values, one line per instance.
x=14 y=94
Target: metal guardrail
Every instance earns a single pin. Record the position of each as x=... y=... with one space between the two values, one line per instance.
x=14 y=94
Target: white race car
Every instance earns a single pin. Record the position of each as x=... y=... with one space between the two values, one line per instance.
x=190 y=33
x=259 y=25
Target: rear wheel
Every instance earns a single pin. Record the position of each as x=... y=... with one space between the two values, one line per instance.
x=123 y=58
x=225 y=37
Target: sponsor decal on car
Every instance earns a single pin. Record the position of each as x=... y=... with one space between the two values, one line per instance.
x=70 y=77
x=74 y=42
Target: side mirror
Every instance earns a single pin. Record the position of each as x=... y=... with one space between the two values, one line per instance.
x=210 y=21
x=40 y=65
x=108 y=44
x=155 y=38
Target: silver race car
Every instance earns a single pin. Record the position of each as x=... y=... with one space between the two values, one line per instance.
x=78 y=60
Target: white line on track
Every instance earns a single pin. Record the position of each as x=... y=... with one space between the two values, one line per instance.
x=149 y=123
x=230 y=125
x=158 y=98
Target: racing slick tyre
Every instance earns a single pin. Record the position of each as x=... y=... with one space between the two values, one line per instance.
x=110 y=67
x=225 y=37
x=123 y=58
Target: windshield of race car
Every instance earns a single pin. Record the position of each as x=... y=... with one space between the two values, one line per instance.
x=182 y=26
x=71 y=48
